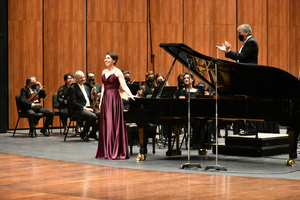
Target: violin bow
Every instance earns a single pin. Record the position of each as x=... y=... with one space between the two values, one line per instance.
x=49 y=92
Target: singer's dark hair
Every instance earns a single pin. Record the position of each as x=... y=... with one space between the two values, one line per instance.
x=68 y=74
x=178 y=78
x=191 y=76
x=113 y=55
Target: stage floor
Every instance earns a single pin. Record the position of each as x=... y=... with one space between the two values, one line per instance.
x=78 y=151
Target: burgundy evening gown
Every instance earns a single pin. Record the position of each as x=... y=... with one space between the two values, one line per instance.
x=113 y=141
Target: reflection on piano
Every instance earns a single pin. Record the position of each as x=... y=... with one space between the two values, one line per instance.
x=245 y=91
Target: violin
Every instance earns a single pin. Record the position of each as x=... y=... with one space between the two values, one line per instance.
x=34 y=96
x=96 y=102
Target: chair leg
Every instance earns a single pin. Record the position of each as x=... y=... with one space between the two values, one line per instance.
x=66 y=134
x=16 y=127
x=153 y=145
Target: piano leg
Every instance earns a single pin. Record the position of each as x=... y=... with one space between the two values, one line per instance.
x=293 y=143
x=143 y=145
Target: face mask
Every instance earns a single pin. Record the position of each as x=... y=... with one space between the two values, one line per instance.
x=160 y=83
x=150 y=80
x=127 y=79
x=241 y=38
x=33 y=87
x=91 y=80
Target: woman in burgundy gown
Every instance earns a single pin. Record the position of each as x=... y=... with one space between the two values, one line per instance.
x=113 y=141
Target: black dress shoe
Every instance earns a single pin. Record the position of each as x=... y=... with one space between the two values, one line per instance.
x=44 y=132
x=84 y=136
x=93 y=135
x=32 y=134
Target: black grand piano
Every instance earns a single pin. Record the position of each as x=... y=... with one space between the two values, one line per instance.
x=244 y=91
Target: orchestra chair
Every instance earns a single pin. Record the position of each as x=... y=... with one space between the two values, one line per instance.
x=23 y=114
x=149 y=131
x=56 y=112
x=72 y=119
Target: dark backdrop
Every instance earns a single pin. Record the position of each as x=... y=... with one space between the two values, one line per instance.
x=3 y=67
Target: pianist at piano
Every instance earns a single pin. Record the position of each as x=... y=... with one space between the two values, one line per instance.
x=189 y=87
x=199 y=138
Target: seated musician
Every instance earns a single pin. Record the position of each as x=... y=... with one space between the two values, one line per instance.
x=148 y=88
x=127 y=76
x=199 y=138
x=81 y=106
x=180 y=85
x=189 y=87
x=160 y=80
x=92 y=84
x=31 y=104
x=62 y=98
x=124 y=96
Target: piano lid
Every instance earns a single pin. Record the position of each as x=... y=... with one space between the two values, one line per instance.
x=236 y=79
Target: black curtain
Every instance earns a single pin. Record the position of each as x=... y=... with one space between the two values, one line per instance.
x=3 y=66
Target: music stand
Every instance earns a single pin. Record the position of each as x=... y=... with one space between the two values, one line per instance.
x=167 y=92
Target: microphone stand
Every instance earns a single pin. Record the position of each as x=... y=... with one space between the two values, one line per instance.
x=189 y=165
x=216 y=167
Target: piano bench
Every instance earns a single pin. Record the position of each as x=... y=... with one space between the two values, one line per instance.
x=133 y=134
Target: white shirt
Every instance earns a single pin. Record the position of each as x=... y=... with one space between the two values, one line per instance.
x=87 y=104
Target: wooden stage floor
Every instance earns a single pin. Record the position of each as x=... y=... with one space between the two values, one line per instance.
x=41 y=168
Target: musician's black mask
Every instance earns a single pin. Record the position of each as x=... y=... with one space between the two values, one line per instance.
x=92 y=80
x=160 y=83
x=150 y=80
x=33 y=87
x=241 y=38
x=127 y=79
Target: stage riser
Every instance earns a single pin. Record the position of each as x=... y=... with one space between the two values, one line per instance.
x=230 y=141
x=253 y=152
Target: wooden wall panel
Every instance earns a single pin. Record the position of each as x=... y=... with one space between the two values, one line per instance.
x=278 y=55
x=102 y=38
x=64 y=42
x=166 y=27
x=223 y=12
x=66 y=10
x=223 y=26
x=196 y=13
x=25 y=54
x=164 y=60
x=127 y=36
x=254 y=13
x=25 y=10
x=103 y=10
x=278 y=30
x=294 y=37
x=196 y=25
x=295 y=51
x=133 y=49
x=133 y=11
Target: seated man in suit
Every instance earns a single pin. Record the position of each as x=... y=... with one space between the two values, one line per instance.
x=80 y=106
x=31 y=104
